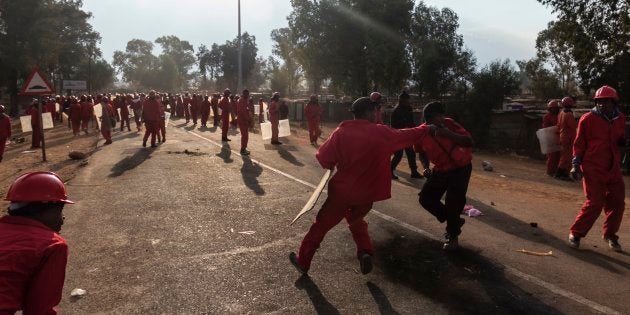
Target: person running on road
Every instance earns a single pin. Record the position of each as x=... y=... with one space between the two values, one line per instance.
x=33 y=256
x=242 y=110
x=402 y=117
x=313 y=113
x=597 y=157
x=360 y=150
x=274 y=117
x=449 y=149
x=5 y=130
x=567 y=126
x=549 y=120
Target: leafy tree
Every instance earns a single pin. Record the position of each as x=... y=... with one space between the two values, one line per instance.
x=181 y=53
x=137 y=63
x=284 y=48
x=99 y=72
x=541 y=82
x=554 y=49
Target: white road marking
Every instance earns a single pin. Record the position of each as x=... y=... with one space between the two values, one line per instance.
x=515 y=272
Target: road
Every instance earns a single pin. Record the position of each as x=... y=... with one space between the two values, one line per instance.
x=193 y=227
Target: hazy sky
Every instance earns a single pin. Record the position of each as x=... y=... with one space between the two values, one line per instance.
x=493 y=29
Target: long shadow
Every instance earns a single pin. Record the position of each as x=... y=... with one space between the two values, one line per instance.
x=130 y=162
x=191 y=127
x=126 y=135
x=226 y=153
x=464 y=281
x=322 y=306
x=250 y=173
x=181 y=125
x=384 y=306
x=287 y=156
x=508 y=224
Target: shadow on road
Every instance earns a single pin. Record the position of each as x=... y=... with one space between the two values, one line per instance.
x=250 y=173
x=508 y=224
x=226 y=153
x=464 y=281
x=287 y=156
x=322 y=306
x=384 y=306
x=130 y=162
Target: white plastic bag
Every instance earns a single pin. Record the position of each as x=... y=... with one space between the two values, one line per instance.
x=549 y=140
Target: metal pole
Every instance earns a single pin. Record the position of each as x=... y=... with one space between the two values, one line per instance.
x=41 y=129
x=240 y=51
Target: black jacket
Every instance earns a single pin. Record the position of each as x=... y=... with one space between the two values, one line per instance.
x=402 y=117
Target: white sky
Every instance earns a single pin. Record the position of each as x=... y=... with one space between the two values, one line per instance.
x=492 y=29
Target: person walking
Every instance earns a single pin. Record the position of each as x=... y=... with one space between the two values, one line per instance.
x=313 y=114
x=225 y=106
x=402 y=117
x=242 y=110
x=274 y=117
x=567 y=126
x=549 y=120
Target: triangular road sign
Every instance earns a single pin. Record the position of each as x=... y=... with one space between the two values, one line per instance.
x=36 y=84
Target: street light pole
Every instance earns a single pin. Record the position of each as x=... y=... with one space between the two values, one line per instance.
x=240 y=51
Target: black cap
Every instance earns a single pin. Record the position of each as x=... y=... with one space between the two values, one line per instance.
x=432 y=109
x=362 y=104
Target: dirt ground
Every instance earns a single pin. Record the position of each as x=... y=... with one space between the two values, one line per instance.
x=20 y=158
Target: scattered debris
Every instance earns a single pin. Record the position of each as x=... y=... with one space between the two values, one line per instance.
x=29 y=151
x=18 y=139
x=187 y=152
x=247 y=232
x=487 y=166
x=77 y=155
x=502 y=176
x=232 y=230
x=529 y=252
x=77 y=293
x=83 y=163
x=470 y=211
x=533 y=224
x=492 y=203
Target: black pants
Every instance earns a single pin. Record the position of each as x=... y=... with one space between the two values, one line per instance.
x=455 y=184
x=411 y=158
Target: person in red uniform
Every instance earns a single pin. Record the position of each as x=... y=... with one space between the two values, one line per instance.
x=225 y=105
x=87 y=113
x=449 y=149
x=205 y=111
x=274 y=117
x=567 y=126
x=151 y=117
x=75 y=116
x=360 y=151
x=186 y=106
x=124 y=112
x=376 y=97
x=242 y=110
x=136 y=106
x=195 y=108
x=549 y=120
x=313 y=113
x=597 y=160
x=33 y=256
x=214 y=104
x=108 y=119
x=5 y=130
x=233 y=119
x=36 y=136
x=179 y=106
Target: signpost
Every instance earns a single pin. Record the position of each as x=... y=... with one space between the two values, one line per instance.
x=37 y=85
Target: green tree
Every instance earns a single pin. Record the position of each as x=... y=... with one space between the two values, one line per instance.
x=99 y=72
x=541 y=82
x=137 y=64
x=553 y=48
x=181 y=53
x=284 y=49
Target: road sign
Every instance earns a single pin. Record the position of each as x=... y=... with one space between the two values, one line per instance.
x=74 y=85
x=36 y=84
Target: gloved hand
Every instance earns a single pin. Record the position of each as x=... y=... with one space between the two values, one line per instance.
x=576 y=172
x=427 y=172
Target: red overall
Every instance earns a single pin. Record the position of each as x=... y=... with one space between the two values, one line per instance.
x=87 y=112
x=136 y=106
x=313 y=113
x=106 y=122
x=597 y=144
x=242 y=111
x=5 y=132
x=75 y=117
x=224 y=105
x=233 y=121
x=186 y=107
x=274 y=119
x=36 y=137
x=32 y=266
x=124 y=115
x=360 y=151
x=214 y=103
x=151 y=116
x=550 y=120
x=205 y=112
x=195 y=107
x=566 y=127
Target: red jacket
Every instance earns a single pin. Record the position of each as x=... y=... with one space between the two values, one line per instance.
x=32 y=266
x=75 y=111
x=598 y=140
x=549 y=120
x=312 y=111
x=224 y=105
x=242 y=109
x=205 y=107
x=151 y=110
x=34 y=112
x=87 y=110
x=567 y=126
x=443 y=161
x=360 y=150
x=274 y=111
x=5 y=126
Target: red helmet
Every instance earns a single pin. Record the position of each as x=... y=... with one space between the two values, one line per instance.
x=606 y=92
x=375 y=97
x=554 y=104
x=38 y=187
x=567 y=102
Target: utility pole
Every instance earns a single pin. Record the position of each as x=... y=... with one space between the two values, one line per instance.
x=240 y=52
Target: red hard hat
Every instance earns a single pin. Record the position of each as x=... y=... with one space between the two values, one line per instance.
x=375 y=96
x=567 y=102
x=606 y=92
x=553 y=103
x=38 y=187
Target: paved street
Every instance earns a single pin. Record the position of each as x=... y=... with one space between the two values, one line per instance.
x=193 y=227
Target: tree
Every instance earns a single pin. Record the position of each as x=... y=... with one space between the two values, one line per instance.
x=99 y=72
x=137 y=63
x=181 y=53
x=554 y=49
x=540 y=81
x=284 y=48
x=439 y=60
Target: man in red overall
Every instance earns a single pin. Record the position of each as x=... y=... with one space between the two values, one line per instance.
x=274 y=117
x=242 y=110
x=75 y=116
x=225 y=105
x=214 y=104
x=124 y=112
x=549 y=120
x=5 y=130
x=107 y=120
x=449 y=149
x=33 y=255
x=87 y=113
x=360 y=151
x=597 y=157
x=205 y=111
x=567 y=126
x=195 y=108
x=36 y=136
x=151 y=117
x=187 y=104
x=136 y=106
x=313 y=113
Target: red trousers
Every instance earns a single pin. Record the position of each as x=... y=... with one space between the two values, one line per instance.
x=76 y=126
x=187 y=113
x=605 y=191
x=124 y=119
x=162 y=130
x=84 y=123
x=204 y=118
x=3 y=142
x=107 y=134
x=225 y=124
x=215 y=115
x=274 y=129
x=313 y=129
x=566 y=155
x=243 y=126
x=552 y=162
x=195 y=115
x=331 y=213
x=151 y=129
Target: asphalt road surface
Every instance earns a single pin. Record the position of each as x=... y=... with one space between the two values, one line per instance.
x=192 y=227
